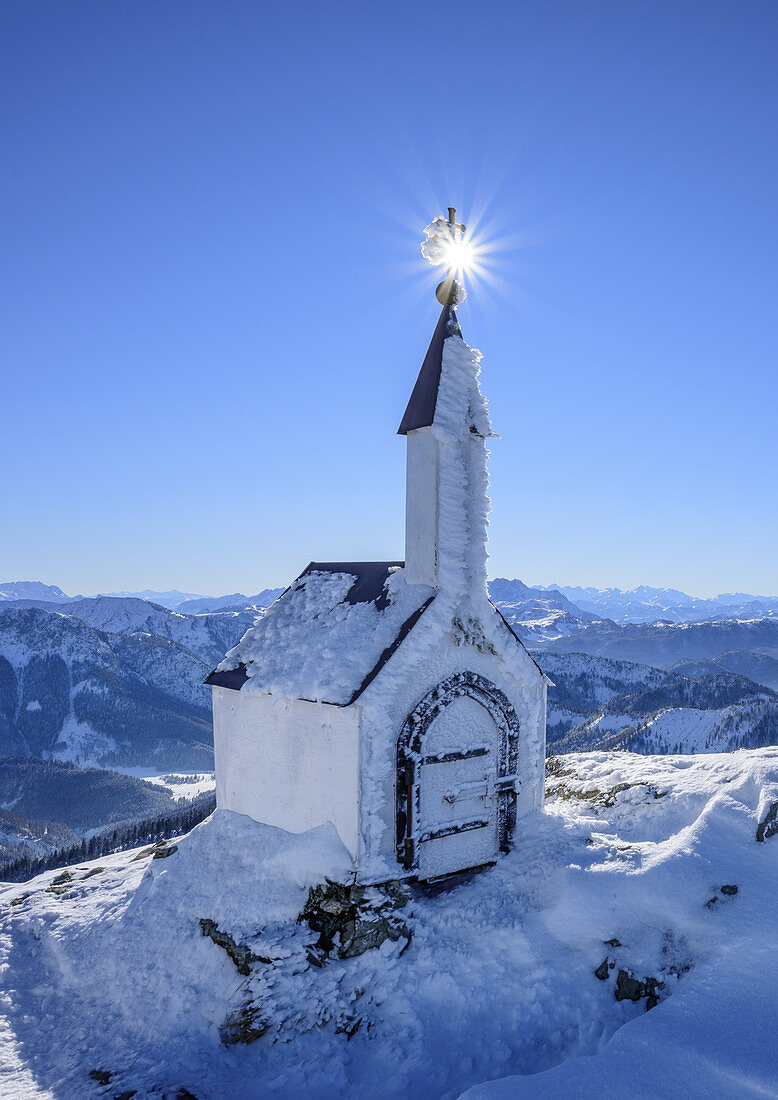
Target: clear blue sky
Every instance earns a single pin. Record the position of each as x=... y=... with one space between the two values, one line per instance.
x=215 y=306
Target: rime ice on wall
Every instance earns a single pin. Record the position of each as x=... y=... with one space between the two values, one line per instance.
x=461 y=426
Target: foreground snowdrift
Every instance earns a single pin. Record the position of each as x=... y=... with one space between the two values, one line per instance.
x=110 y=971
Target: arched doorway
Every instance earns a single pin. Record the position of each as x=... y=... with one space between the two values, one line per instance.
x=457 y=762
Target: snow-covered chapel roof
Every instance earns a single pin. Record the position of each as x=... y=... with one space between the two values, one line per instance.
x=328 y=636
x=421 y=407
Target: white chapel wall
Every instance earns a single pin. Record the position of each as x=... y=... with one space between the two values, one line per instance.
x=421 y=507
x=287 y=763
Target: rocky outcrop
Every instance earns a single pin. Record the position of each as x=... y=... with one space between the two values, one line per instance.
x=768 y=826
x=353 y=919
x=160 y=850
x=241 y=955
x=629 y=988
x=243 y=1026
x=606 y=798
x=61 y=884
x=728 y=891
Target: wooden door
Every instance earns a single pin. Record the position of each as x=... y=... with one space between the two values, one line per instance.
x=457 y=823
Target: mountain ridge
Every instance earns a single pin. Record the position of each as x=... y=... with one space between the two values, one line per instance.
x=71 y=691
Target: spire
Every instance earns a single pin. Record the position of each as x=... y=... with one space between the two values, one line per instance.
x=421 y=407
x=446 y=425
x=445 y=244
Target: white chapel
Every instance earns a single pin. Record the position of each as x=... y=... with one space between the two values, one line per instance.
x=392 y=698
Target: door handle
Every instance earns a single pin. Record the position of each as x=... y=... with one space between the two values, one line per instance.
x=477 y=789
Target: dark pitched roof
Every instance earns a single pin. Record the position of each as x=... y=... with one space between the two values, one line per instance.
x=233 y=678
x=371 y=578
x=421 y=407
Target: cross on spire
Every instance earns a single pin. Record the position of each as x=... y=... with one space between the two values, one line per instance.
x=457 y=231
x=454 y=225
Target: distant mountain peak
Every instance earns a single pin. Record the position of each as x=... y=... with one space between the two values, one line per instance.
x=33 y=590
x=172 y=598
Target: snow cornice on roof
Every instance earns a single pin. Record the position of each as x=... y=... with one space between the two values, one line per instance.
x=311 y=627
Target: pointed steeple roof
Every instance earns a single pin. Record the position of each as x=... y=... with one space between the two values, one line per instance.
x=421 y=407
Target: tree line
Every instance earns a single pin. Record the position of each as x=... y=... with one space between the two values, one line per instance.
x=116 y=838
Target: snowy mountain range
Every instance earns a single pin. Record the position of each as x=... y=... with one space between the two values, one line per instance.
x=208 y=636
x=751 y=723
x=573 y=604
x=32 y=590
x=756 y=665
x=657 y=711
x=599 y=703
x=171 y=599
x=539 y=616
x=662 y=643
x=645 y=604
x=71 y=691
x=155 y=658
x=116 y=681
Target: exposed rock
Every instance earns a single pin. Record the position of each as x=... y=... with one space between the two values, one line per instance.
x=630 y=988
x=606 y=798
x=102 y=1076
x=61 y=884
x=769 y=825
x=94 y=871
x=241 y=955
x=676 y=961
x=316 y=955
x=358 y=918
x=728 y=891
x=162 y=851
x=21 y=898
x=243 y=1026
x=348 y=1026
x=555 y=767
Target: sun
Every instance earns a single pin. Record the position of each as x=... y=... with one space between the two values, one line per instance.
x=458 y=255
x=448 y=244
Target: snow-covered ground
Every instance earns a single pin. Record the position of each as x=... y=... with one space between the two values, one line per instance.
x=183 y=785
x=110 y=972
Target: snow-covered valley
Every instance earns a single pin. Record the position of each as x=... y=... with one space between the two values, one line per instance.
x=643 y=879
